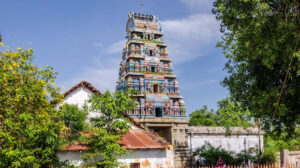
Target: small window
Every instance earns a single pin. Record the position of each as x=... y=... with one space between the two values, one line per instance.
x=134 y=165
x=151 y=52
x=152 y=69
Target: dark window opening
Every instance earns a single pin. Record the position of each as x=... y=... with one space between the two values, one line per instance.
x=158 y=112
x=152 y=69
x=151 y=53
x=134 y=165
x=148 y=36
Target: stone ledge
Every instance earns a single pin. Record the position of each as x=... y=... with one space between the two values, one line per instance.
x=161 y=120
x=223 y=130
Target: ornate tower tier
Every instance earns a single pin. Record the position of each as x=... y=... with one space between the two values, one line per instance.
x=146 y=67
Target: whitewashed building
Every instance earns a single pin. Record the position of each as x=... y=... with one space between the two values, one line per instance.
x=148 y=149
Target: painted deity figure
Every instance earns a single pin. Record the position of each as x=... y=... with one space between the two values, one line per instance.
x=136 y=66
x=132 y=49
x=134 y=36
x=145 y=49
x=148 y=86
x=176 y=86
x=149 y=108
x=157 y=52
x=170 y=67
x=161 y=87
x=167 y=88
x=142 y=66
x=147 y=65
x=142 y=106
x=161 y=67
x=137 y=49
x=166 y=68
x=136 y=110
x=167 y=108
x=141 y=84
x=176 y=108
x=130 y=84
x=142 y=50
x=131 y=65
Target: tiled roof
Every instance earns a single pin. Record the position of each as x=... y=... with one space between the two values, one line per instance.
x=75 y=147
x=134 y=139
x=82 y=83
x=140 y=139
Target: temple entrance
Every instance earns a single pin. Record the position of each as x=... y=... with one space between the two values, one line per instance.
x=158 y=112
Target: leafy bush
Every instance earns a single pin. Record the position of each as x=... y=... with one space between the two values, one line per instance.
x=209 y=155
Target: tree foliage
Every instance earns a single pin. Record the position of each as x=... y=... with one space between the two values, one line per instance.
x=260 y=41
x=29 y=124
x=108 y=127
x=228 y=114
x=210 y=154
x=207 y=155
x=74 y=120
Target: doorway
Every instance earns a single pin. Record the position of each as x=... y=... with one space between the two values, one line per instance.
x=155 y=88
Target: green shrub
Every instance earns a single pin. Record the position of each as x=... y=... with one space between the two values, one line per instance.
x=210 y=154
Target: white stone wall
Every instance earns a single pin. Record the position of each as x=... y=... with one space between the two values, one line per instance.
x=148 y=158
x=161 y=158
x=234 y=143
x=79 y=97
x=72 y=156
x=238 y=139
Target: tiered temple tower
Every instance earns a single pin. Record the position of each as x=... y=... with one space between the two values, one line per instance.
x=147 y=67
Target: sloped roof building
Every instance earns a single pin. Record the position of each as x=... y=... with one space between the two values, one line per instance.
x=148 y=148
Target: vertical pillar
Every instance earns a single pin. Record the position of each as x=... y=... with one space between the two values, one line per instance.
x=284 y=157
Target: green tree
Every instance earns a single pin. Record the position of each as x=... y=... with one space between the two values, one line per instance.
x=29 y=124
x=261 y=42
x=74 y=120
x=228 y=114
x=231 y=114
x=203 y=117
x=108 y=127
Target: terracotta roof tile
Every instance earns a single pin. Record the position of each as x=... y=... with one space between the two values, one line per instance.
x=140 y=139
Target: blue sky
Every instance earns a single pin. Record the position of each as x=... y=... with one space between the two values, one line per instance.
x=82 y=40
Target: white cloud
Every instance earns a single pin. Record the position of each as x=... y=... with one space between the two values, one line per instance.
x=190 y=37
x=101 y=75
x=116 y=48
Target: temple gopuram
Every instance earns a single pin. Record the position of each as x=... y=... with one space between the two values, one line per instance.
x=147 y=68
